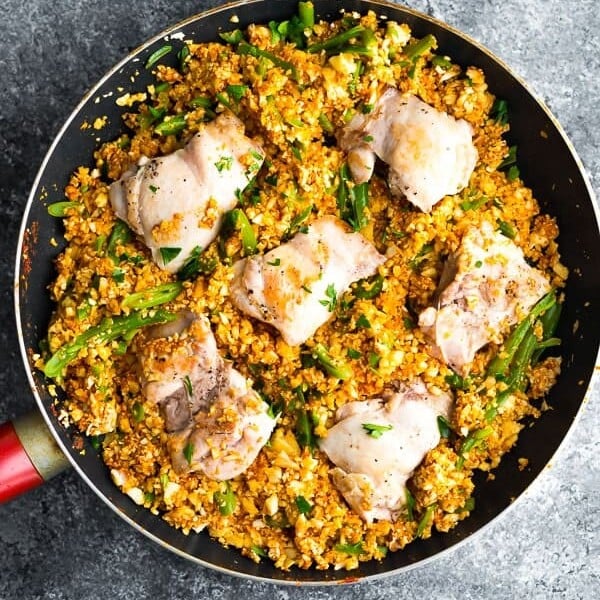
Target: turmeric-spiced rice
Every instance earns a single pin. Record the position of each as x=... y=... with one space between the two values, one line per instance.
x=293 y=99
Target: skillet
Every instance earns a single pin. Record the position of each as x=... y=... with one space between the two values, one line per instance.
x=556 y=177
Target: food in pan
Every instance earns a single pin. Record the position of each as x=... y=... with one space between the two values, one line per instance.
x=305 y=295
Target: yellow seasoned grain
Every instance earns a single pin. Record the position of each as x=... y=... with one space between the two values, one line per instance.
x=284 y=111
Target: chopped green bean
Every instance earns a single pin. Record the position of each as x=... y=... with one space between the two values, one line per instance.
x=171 y=126
x=410 y=505
x=236 y=220
x=197 y=264
x=498 y=367
x=232 y=37
x=336 y=40
x=304 y=429
x=306 y=13
x=303 y=505
x=120 y=234
x=106 y=331
x=225 y=500
x=157 y=55
x=334 y=368
x=246 y=49
x=443 y=426
x=188 y=452
x=473 y=440
x=419 y=47
x=137 y=410
x=62 y=209
x=426 y=520
x=152 y=297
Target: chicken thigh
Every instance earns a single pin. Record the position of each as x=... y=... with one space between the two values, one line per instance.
x=225 y=439
x=293 y=287
x=176 y=202
x=489 y=287
x=430 y=153
x=377 y=444
x=181 y=368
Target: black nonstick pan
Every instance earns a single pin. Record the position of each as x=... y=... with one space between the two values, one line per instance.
x=548 y=165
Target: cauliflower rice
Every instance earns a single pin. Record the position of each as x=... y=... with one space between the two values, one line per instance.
x=284 y=508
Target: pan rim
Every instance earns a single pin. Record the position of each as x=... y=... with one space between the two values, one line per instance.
x=33 y=196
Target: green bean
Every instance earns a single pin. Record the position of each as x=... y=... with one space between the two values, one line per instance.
x=304 y=429
x=152 y=297
x=106 y=331
x=549 y=321
x=498 y=367
x=306 y=13
x=246 y=49
x=303 y=505
x=421 y=46
x=456 y=382
x=236 y=220
x=426 y=519
x=336 y=40
x=410 y=505
x=157 y=55
x=62 y=209
x=120 y=235
x=225 y=501
x=517 y=376
x=232 y=37
x=188 y=452
x=171 y=126
x=334 y=368
x=326 y=124
x=474 y=439
x=507 y=229
x=197 y=264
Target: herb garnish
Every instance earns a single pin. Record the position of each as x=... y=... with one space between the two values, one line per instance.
x=376 y=431
x=331 y=300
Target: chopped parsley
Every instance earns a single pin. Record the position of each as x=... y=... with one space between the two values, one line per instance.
x=303 y=505
x=331 y=300
x=169 y=254
x=188 y=452
x=274 y=263
x=363 y=323
x=354 y=549
x=376 y=431
x=224 y=163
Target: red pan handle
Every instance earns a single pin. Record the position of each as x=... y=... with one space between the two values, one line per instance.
x=29 y=455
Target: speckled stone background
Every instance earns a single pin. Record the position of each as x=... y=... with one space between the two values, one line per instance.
x=60 y=541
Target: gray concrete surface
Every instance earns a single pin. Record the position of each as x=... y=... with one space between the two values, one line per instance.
x=61 y=542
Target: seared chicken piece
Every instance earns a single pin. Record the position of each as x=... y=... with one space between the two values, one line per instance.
x=181 y=368
x=430 y=153
x=489 y=288
x=176 y=202
x=377 y=444
x=292 y=287
x=225 y=439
